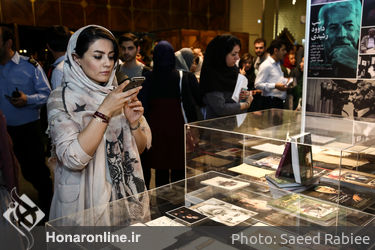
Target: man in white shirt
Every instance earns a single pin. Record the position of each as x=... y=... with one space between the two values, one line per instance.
x=270 y=78
x=57 y=41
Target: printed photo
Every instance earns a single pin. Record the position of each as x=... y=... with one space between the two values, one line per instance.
x=164 y=221
x=326 y=189
x=269 y=161
x=225 y=183
x=354 y=177
x=367 y=45
x=345 y=197
x=366 y=66
x=251 y=201
x=334 y=38
x=250 y=170
x=223 y=212
x=314 y=210
x=187 y=215
x=341 y=97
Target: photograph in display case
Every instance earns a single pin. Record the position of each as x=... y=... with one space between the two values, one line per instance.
x=225 y=183
x=351 y=179
x=315 y=211
x=223 y=212
x=250 y=170
x=252 y=201
x=271 y=161
x=344 y=196
x=187 y=215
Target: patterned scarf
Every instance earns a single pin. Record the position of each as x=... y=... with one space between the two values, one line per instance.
x=116 y=160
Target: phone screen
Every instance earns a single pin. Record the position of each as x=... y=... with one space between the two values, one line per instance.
x=134 y=83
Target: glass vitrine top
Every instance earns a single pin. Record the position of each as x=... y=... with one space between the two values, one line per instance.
x=256 y=202
x=332 y=131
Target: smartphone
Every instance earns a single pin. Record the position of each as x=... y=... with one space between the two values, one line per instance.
x=134 y=82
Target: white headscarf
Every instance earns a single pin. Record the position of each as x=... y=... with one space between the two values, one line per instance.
x=116 y=162
x=74 y=73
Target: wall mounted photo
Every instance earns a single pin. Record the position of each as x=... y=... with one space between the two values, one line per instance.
x=350 y=98
x=367 y=45
x=366 y=66
x=334 y=38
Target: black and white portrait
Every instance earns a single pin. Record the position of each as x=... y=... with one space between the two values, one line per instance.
x=367 y=45
x=223 y=212
x=349 y=98
x=366 y=67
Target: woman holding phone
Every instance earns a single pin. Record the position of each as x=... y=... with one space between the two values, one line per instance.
x=97 y=129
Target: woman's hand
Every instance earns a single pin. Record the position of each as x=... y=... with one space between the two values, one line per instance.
x=243 y=71
x=117 y=99
x=244 y=94
x=133 y=111
x=250 y=98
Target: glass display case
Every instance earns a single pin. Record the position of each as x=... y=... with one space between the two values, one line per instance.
x=241 y=177
x=327 y=157
x=211 y=207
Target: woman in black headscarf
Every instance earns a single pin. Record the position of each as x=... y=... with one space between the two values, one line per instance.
x=219 y=76
x=165 y=115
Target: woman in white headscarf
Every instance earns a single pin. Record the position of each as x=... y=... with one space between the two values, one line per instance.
x=98 y=130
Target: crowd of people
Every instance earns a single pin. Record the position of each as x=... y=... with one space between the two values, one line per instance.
x=104 y=138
